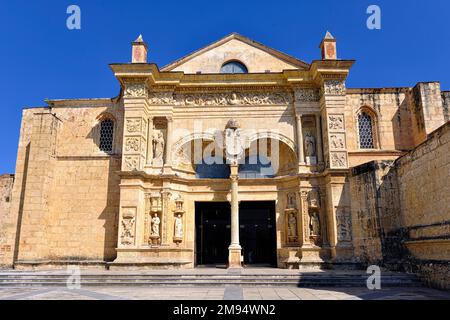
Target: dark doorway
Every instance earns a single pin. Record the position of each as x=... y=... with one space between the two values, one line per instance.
x=213 y=233
x=258 y=232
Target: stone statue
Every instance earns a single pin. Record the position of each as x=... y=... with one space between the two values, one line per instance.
x=314 y=224
x=292 y=226
x=310 y=145
x=158 y=146
x=291 y=200
x=178 y=226
x=155 y=225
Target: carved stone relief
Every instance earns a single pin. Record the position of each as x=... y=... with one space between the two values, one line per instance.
x=135 y=90
x=344 y=225
x=338 y=159
x=133 y=125
x=161 y=98
x=337 y=141
x=128 y=231
x=132 y=144
x=336 y=122
x=132 y=162
x=334 y=87
x=304 y=95
x=219 y=99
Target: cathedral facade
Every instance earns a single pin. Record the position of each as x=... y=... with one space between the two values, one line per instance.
x=236 y=154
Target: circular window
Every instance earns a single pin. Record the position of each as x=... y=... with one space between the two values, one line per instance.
x=233 y=67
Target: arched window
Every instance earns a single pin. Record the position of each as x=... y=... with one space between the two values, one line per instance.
x=233 y=67
x=256 y=167
x=366 y=131
x=106 y=135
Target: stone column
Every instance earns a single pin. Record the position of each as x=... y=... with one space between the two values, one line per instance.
x=234 y=256
x=319 y=139
x=168 y=159
x=150 y=142
x=300 y=152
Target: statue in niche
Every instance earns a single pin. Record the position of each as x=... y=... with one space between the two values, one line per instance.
x=178 y=227
x=310 y=145
x=313 y=198
x=314 y=224
x=292 y=226
x=158 y=146
x=291 y=201
x=155 y=225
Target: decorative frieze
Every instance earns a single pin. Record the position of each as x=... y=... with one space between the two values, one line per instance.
x=161 y=98
x=334 y=87
x=219 y=99
x=306 y=95
x=135 y=90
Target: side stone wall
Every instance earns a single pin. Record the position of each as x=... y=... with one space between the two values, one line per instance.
x=401 y=212
x=6 y=185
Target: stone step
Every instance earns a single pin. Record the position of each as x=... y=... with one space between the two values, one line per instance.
x=307 y=279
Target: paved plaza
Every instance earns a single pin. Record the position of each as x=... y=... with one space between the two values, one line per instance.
x=218 y=293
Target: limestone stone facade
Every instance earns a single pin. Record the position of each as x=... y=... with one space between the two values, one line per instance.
x=117 y=181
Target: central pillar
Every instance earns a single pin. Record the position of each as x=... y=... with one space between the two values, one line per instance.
x=234 y=250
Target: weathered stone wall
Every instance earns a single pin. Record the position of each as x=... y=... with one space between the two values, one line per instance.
x=392 y=117
x=375 y=212
x=6 y=185
x=401 y=212
x=446 y=104
x=67 y=204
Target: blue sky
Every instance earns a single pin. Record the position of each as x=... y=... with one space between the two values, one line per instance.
x=41 y=58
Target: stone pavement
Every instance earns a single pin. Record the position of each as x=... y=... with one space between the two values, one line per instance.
x=218 y=293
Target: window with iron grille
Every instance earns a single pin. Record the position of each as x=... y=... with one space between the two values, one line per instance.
x=106 y=135
x=365 y=125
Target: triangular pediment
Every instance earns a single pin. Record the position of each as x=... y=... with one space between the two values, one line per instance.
x=256 y=57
